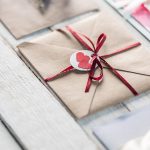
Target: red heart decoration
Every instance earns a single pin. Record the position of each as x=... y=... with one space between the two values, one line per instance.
x=83 y=61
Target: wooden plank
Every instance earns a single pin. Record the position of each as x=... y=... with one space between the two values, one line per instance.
x=32 y=112
x=6 y=140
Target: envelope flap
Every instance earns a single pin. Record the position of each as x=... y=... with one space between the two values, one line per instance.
x=50 y=59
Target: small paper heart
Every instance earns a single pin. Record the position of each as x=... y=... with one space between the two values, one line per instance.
x=83 y=60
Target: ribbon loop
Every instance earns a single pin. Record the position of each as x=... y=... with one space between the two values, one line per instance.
x=100 y=69
x=91 y=74
x=100 y=42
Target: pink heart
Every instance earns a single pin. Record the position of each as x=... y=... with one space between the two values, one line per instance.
x=83 y=61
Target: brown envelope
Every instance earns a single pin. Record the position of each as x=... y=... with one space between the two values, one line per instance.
x=23 y=16
x=51 y=53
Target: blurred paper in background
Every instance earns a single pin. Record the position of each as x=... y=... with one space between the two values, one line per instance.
x=118 y=132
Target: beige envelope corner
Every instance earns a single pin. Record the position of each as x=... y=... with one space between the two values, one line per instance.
x=50 y=54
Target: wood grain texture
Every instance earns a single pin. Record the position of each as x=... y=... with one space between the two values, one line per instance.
x=32 y=112
x=6 y=140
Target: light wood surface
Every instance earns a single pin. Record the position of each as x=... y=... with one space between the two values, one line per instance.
x=33 y=114
x=6 y=140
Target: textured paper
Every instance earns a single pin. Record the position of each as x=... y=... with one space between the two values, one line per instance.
x=51 y=53
x=117 y=133
x=23 y=17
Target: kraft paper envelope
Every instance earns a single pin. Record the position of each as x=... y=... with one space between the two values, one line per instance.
x=23 y=17
x=50 y=54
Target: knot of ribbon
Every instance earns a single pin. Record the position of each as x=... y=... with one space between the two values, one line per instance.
x=97 y=60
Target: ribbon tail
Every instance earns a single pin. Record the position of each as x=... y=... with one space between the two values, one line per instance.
x=88 y=85
x=123 y=80
x=68 y=69
x=122 y=50
x=91 y=75
x=86 y=37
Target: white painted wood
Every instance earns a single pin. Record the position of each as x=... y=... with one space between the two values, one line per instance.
x=6 y=140
x=32 y=112
x=29 y=105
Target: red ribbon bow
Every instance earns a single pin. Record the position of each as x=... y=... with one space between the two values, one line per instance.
x=97 y=60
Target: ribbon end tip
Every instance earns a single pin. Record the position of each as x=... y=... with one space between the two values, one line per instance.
x=86 y=91
x=137 y=94
x=45 y=80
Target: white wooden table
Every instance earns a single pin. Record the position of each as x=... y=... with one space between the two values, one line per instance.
x=31 y=117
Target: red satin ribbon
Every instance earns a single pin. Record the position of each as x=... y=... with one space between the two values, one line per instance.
x=97 y=60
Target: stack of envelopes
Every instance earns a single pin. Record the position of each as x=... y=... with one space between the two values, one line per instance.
x=51 y=53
